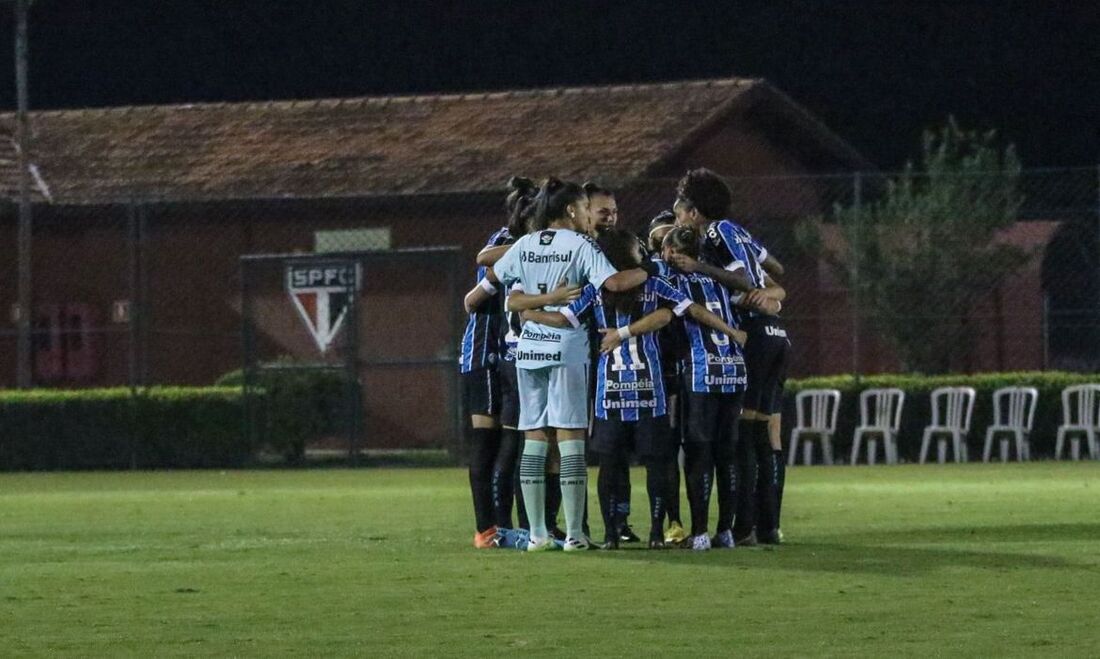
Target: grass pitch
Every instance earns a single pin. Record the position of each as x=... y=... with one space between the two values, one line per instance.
x=914 y=560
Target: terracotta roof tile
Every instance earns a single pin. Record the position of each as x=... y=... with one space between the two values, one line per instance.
x=402 y=145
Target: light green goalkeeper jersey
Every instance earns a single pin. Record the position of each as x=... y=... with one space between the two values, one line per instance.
x=539 y=262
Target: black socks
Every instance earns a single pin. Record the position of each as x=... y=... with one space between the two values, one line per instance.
x=699 y=468
x=656 y=485
x=503 y=480
x=484 y=445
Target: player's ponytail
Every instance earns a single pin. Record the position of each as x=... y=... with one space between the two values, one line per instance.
x=683 y=240
x=593 y=189
x=552 y=200
x=519 y=204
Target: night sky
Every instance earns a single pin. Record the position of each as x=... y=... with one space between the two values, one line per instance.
x=876 y=72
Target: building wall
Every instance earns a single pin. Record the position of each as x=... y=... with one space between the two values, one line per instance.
x=410 y=308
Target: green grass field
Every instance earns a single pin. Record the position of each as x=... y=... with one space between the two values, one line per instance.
x=976 y=560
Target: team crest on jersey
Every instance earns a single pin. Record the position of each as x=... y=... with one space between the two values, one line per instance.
x=322 y=294
x=546 y=237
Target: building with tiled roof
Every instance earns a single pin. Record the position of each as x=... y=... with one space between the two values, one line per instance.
x=417 y=145
x=155 y=205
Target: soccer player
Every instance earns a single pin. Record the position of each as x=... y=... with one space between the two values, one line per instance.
x=740 y=262
x=494 y=441
x=603 y=209
x=714 y=384
x=631 y=401
x=481 y=386
x=659 y=227
x=671 y=349
x=551 y=362
x=519 y=207
x=604 y=212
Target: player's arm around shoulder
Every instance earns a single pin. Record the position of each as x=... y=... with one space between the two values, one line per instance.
x=564 y=293
x=651 y=322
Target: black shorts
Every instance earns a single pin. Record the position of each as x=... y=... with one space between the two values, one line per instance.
x=481 y=391
x=509 y=394
x=646 y=437
x=766 y=365
x=711 y=417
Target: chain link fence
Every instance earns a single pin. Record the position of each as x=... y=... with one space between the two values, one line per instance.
x=142 y=291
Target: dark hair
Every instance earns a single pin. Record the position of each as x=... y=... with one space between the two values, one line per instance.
x=663 y=219
x=551 y=201
x=706 y=191
x=684 y=240
x=519 y=204
x=592 y=189
x=618 y=246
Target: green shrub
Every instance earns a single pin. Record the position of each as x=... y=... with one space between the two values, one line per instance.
x=297 y=406
x=191 y=427
x=114 y=429
x=918 y=412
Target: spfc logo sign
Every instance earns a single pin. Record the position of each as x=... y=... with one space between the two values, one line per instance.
x=322 y=293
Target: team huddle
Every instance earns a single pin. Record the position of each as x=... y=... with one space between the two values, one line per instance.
x=584 y=337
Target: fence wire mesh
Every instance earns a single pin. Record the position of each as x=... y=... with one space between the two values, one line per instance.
x=146 y=291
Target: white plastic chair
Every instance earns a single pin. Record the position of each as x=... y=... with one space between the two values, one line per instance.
x=1013 y=413
x=819 y=419
x=1080 y=415
x=879 y=414
x=952 y=408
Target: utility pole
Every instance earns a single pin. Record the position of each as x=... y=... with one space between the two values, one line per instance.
x=22 y=143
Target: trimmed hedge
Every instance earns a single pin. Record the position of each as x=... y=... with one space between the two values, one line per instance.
x=298 y=406
x=163 y=427
x=918 y=411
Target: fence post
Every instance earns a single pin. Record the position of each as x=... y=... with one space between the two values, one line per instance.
x=857 y=203
x=131 y=325
x=144 y=312
x=248 y=383
x=457 y=446
x=135 y=309
x=352 y=370
x=1046 y=330
x=23 y=370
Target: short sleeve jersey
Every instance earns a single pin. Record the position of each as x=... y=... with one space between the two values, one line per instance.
x=630 y=383
x=729 y=245
x=481 y=339
x=538 y=262
x=713 y=362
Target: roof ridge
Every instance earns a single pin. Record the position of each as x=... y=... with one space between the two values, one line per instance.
x=385 y=99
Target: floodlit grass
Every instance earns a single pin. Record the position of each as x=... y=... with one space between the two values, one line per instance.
x=977 y=560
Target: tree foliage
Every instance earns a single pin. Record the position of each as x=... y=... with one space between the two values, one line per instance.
x=920 y=252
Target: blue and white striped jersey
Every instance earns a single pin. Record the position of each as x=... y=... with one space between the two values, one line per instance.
x=510 y=327
x=630 y=384
x=663 y=268
x=539 y=261
x=714 y=362
x=481 y=340
x=729 y=245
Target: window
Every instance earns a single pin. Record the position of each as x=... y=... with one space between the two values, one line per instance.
x=352 y=240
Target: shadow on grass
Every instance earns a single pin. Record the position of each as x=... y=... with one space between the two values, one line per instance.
x=878 y=553
x=986 y=534
x=367 y=459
